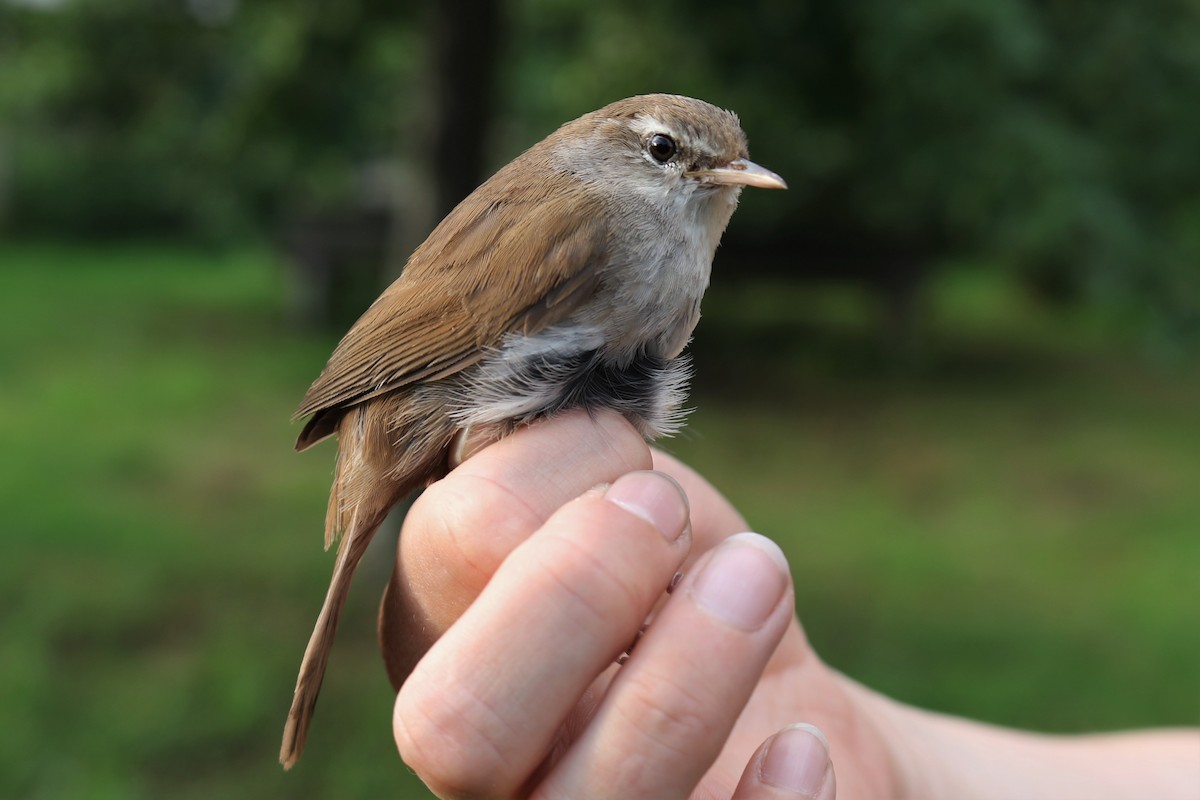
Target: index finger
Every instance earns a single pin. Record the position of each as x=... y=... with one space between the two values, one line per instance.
x=460 y=530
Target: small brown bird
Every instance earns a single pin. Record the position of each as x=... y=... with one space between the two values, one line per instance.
x=571 y=278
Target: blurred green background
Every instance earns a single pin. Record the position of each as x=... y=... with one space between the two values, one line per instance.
x=952 y=370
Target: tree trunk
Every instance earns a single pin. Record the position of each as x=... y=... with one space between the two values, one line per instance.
x=467 y=43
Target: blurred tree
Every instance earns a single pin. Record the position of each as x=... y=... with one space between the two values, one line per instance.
x=1054 y=138
x=201 y=118
x=467 y=38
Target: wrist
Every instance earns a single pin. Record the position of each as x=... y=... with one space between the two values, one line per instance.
x=937 y=756
x=906 y=737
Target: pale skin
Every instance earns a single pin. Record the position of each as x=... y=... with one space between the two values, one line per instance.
x=532 y=566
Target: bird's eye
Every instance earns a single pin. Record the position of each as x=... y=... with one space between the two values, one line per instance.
x=661 y=147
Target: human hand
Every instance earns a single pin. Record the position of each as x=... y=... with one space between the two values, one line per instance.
x=532 y=583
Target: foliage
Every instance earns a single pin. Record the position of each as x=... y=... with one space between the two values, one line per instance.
x=1054 y=138
x=207 y=118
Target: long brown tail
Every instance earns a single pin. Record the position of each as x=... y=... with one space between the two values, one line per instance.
x=316 y=655
x=386 y=448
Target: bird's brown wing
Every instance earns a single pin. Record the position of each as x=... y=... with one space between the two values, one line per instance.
x=508 y=258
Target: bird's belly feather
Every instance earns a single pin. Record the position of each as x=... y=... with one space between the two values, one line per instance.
x=569 y=367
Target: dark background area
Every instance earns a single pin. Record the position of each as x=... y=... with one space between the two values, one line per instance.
x=952 y=370
x=1057 y=140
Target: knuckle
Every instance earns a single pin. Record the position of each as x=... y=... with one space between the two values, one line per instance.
x=668 y=716
x=594 y=578
x=445 y=745
x=469 y=523
x=584 y=589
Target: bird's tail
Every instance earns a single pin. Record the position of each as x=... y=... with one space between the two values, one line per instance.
x=316 y=655
x=374 y=472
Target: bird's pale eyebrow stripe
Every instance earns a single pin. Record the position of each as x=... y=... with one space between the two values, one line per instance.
x=646 y=125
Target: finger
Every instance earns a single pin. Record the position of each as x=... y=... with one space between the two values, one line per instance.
x=483 y=707
x=671 y=707
x=793 y=763
x=469 y=521
x=463 y=526
x=713 y=517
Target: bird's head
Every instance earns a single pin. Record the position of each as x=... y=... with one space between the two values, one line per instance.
x=660 y=144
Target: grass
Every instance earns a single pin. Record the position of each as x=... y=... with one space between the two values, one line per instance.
x=1009 y=530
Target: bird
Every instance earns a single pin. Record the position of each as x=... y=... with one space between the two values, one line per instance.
x=572 y=278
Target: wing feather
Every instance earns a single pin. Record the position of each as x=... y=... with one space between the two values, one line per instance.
x=517 y=255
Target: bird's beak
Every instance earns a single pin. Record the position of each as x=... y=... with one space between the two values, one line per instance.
x=740 y=172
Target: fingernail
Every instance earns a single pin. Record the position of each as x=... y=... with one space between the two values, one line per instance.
x=742 y=581
x=654 y=497
x=797 y=760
